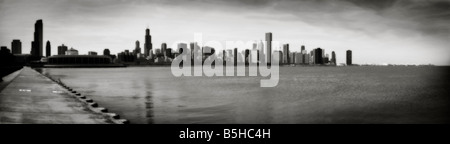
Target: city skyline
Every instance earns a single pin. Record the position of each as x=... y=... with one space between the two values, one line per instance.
x=118 y=36
x=286 y=57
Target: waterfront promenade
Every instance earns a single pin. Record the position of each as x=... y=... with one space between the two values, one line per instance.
x=31 y=98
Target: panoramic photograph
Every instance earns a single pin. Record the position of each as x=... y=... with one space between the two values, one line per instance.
x=224 y=62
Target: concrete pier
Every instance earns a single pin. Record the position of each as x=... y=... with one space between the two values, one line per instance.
x=32 y=98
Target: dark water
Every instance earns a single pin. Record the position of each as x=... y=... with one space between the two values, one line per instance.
x=303 y=95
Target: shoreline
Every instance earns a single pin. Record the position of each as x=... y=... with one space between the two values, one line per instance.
x=34 y=98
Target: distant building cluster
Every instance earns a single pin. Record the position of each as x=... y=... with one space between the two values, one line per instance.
x=164 y=55
x=316 y=56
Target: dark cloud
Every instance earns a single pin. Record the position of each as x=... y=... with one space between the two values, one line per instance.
x=430 y=17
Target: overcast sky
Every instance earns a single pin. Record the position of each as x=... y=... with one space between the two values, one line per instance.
x=377 y=31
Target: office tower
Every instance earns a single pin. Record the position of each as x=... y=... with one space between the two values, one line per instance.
x=120 y=56
x=326 y=59
x=286 y=54
x=92 y=53
x=191 y=47
x=291 y=57
x=150 y=54
x=235 y=56
x=62 y=49
x=298 y=58
x=72 y=51
x=261 y=56
x=137 y=49
x=305 y=56
x=318 y=59
x=224 y=58
x=158 y=52
x=302 y=48
x=48 y=50
x=16 y=46
x=255 y=45
x=164 y=49
x=333 y=58
x=282 y=57
x=37 y=44
x=106 y=52
x=148 y=42
x=269 y=47
x=246 y=56
x=4 y=50
x=349 y=57
x=277 y=57
x=306 y=59
x=169 y=52
x=323 y=53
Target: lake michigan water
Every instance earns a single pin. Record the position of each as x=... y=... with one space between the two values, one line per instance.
x=304 y=95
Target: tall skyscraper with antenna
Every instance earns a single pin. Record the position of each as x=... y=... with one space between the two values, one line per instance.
x=148 y=42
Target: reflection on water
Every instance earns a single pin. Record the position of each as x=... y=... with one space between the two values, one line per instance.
x=304 y=95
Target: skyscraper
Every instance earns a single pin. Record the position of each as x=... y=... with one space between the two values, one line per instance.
x=269 y=47
x=148 y=42
x=291 y=57
x=261 y=55
x=246 y=56
x=62 y=49
x=16 y=46
x=298 y=58
x=305 y=55
x=235 y=56
x=318 y=59
x=106 y=52
x=333 y=58
x=37 y=44
x=137 y=49
x=286 y=54
x=48 y=50
x=224 y=57
x=349 y=57
x=164 y=49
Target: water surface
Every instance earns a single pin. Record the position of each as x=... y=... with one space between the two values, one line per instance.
x=303 y=95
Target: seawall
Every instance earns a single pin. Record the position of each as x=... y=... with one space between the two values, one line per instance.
x=33 y=98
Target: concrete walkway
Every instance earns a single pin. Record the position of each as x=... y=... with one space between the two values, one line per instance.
x=32 y=98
